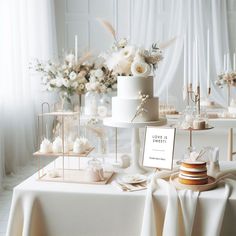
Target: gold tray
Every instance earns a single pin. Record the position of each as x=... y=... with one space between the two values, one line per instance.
x=74 y=176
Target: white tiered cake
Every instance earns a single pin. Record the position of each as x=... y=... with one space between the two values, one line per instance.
x=124 y=106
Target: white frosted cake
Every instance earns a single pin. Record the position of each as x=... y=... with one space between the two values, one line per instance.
x=125 y=105
x=232 y=107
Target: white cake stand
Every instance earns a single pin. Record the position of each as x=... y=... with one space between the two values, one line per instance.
x=135 y=138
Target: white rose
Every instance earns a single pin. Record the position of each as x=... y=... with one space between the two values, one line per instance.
x=66 y=83
x=92 y=79
x=70 y=57
x=72 y=75
x=88 y=87
x=114 y=86
x=123 y=67
x=98 y=73
x=113 y=60
x=94 y=86
x=75 y=84
x=53 y=81
x=128 y=52
x=140 y=68
x=59 y=82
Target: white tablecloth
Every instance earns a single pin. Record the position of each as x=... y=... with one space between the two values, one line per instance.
x=67 y=209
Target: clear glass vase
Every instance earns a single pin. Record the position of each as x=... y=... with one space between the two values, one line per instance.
x=104 y=105
x=91 y=103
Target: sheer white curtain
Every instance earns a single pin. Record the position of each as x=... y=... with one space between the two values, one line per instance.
x=27 y=30
x=158 y=20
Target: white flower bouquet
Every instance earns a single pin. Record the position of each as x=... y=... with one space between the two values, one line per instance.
x=127 y=60
x=67 y=78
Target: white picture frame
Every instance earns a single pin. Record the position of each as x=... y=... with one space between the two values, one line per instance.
x=159 y=147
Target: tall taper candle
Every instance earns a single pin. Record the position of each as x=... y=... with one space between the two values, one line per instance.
x=76 y=48
x=234 y=61
x=208 y=61
x=225 y=63
x=185 y=68
x=196 y=61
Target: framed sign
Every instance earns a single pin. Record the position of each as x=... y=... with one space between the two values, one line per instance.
x=159 y=147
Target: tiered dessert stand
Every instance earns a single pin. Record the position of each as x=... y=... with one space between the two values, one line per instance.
x=135 y=139
x=41 y=133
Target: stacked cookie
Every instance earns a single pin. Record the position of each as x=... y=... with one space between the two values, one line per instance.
x=193 y=173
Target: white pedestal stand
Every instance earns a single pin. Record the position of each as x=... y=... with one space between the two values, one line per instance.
x=135 y=139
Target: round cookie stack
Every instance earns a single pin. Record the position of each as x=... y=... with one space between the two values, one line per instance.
x=193 y=173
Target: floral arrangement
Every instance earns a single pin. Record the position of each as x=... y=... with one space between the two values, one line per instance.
x=226 y=79
x=126 y=59
x=101 y=80
x=68 y=78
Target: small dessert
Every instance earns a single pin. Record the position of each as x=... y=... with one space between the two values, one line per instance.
x=45 y=146
x=193 y=173
x=199 y=124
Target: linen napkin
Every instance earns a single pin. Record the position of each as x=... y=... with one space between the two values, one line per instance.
x=149 y=221
x=187 y=204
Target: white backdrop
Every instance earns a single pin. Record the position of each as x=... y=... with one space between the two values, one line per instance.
x=190 y=18
x=147 y=21
x=27 y=30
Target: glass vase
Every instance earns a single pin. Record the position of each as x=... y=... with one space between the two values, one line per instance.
x=104 y=105
x=91 y=103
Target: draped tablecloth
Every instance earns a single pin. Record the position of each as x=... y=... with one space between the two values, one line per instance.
x=68 y=209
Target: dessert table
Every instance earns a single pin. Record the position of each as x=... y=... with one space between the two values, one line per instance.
x=53 y=208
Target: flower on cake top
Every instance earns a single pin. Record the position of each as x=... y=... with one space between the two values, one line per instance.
x=132 y=60
x=127 y=59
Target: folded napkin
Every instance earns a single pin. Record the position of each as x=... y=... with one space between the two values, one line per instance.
x=129 y=187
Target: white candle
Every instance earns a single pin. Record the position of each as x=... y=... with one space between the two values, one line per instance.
x=227 y=62
x=76 y=48
x=196 y=61
x=208 y=59
x=189 y=60
x=224 y=63
x=234 y=62
x=185 y=62
x=185 y=68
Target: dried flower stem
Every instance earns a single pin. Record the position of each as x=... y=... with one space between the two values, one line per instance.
x=140 y=109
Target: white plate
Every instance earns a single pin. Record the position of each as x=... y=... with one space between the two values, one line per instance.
x=133 y=179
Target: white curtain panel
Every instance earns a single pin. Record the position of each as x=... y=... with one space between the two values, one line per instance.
x=27 y=30
x=160 y=21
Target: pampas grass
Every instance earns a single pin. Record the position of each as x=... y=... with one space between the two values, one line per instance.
x=107 y=25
